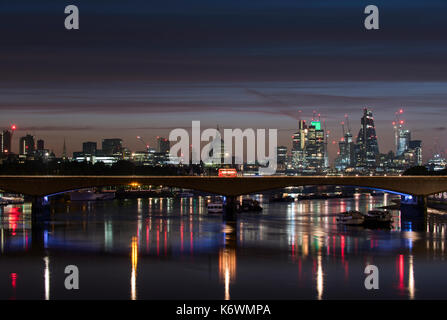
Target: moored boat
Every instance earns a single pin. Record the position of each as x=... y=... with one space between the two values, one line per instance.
x=215 y=207
x=378 y=217
x=351 y=217
x=250 y=205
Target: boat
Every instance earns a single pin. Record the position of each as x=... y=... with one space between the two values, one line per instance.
x=91 y=195
x=352 y=217
x=378 y=217
x=250 y=205
x=215 y=207
x=5 y=200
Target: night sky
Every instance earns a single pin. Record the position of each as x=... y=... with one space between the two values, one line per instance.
x=142 y=67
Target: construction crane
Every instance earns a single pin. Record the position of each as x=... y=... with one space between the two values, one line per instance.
x=146 y=144
x=397 y=126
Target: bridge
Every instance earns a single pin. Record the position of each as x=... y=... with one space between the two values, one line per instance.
x=419 y=187
x=41 y=186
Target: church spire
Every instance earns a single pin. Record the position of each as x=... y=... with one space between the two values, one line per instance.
x=64 y=151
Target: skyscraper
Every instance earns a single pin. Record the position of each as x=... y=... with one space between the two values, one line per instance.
x=367 y=148
x=403 y=141
x=309 y=147
x=5 y=142
x=26 y=145
x=299 y=139
x=413 y=153
x=315 y=148
x=346 y=156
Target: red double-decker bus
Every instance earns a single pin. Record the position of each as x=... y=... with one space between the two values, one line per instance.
x=227 y=173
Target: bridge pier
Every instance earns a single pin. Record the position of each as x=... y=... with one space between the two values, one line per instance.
x=413 y=207
x=40 y=209
x=230 y=208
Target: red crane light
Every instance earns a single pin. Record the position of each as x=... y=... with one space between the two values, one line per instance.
x=13 y=127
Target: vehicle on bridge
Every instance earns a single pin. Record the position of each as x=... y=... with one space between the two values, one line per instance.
x=228 y=173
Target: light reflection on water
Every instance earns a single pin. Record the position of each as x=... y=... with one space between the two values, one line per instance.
x=163 y=248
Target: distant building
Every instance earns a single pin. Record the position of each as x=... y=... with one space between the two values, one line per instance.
x=40 y=145
x=281 y=158
x=89 y=148
x=5 y=142
x=413 y=153
x=437 y=163
x=112 y=146
x=26 y=145
x=163 y=145
x=346 y=157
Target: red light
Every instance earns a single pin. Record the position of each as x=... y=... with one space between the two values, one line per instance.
x=227 y=173
x=401 y=121
x=13 y=127
x=14 y=280
x=401 y=111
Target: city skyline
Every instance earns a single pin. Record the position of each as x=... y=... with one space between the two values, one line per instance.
x=139 y=143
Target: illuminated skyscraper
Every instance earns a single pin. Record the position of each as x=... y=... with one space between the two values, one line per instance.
x=367 y=148
x=309 y=148
x=5 y=142
x=299 y=139
x=403 y=141
x=315 y=148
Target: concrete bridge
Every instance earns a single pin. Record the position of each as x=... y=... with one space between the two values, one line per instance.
x=40 y=186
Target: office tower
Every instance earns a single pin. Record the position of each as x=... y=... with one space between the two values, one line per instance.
x=299 y=139
x=414 y=153
x=5 y=142
x=346 y=157
x=112 y=146
x=403 y=141
x=281 y=155
x=367 y=148
x=40 y=145
x=163 y=145
x=89 y=148
x=315 y=148
x=26 y=145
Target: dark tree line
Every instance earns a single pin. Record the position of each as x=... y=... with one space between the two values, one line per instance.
x=423 y=171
